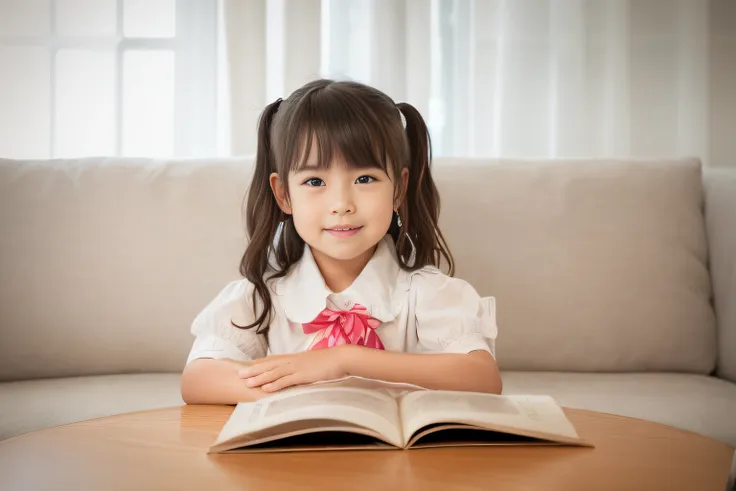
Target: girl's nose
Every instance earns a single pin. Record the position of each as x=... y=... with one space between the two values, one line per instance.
x=342 y=209
x=342 y=202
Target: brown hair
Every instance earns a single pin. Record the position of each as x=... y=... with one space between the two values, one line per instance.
x=364 y=126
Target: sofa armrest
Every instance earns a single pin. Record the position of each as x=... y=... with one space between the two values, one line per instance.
x=720 y=219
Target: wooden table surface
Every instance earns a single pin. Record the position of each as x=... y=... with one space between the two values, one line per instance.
x=166 y=449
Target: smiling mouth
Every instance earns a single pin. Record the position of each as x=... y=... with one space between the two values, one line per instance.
x=343 y=229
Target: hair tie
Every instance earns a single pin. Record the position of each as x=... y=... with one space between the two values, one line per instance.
x=403 y=118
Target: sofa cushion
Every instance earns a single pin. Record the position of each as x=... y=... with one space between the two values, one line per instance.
x=106 y=262
x=698 y=403
x=702 y=404
x=34 y=404
x=720 y=219
x=595 y=265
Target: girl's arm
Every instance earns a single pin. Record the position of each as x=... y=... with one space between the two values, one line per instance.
x=210 y=381
x=476 y=371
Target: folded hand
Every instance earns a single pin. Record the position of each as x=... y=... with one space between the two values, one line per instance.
x=277 y=372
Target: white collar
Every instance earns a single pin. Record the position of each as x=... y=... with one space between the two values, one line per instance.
x=304 y=293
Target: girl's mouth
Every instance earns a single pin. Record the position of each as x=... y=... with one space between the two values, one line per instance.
x=344 y=231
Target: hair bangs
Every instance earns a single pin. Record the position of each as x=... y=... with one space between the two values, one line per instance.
x=337 y=129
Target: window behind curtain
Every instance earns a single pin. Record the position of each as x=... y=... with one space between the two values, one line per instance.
x=108 y=77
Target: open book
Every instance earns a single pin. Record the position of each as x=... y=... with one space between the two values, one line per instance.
x=357 y=413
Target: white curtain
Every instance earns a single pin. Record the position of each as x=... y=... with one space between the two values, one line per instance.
x=503 y=78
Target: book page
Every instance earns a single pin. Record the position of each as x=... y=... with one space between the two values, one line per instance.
x=530 y=415
x=369 y=409
x=394 y=389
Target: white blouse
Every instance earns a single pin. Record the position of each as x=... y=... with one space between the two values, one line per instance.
x=423 y=311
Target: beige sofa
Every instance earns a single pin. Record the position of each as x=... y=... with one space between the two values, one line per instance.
x=615 y=280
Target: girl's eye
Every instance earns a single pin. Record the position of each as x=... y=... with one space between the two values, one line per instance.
x=314 y=181
x=365 y=179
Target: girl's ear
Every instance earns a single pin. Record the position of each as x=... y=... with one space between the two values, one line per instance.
x=279 y=192
x=402 y=189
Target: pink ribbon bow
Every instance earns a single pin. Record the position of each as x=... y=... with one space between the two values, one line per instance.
x=337 y=327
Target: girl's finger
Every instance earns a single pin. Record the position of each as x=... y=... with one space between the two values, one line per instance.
x=271 y=359
x=282 y=383
x=267 y=377
x=258 y=369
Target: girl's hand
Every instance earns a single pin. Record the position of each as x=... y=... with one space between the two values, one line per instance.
x=277 y=372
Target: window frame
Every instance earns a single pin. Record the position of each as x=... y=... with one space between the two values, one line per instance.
x=195 y=72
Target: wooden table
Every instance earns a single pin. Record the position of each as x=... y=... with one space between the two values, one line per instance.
x=166 y=449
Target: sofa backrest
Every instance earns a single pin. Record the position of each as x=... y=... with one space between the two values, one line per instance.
x=595 y=265
x=105 y=262
x=720 y=219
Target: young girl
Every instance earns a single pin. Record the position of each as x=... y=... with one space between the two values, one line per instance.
x=341 y=270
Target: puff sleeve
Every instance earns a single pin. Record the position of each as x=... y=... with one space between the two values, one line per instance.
x=216 y=337
x=452 y=318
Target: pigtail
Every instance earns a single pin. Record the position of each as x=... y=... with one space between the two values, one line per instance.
x=262 y=220
x=420 y=209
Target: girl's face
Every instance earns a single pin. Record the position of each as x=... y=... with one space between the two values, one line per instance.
x=340 y=212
